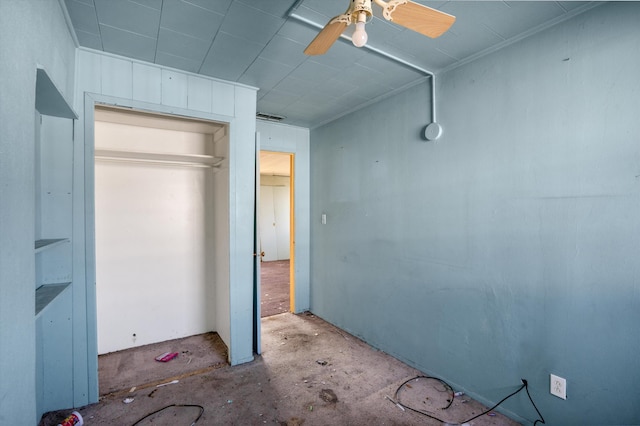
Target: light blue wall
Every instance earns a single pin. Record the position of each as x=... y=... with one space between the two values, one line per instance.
x=508 y=248
x=32 y=33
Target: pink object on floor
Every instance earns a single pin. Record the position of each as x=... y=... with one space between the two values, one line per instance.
x=167 y=356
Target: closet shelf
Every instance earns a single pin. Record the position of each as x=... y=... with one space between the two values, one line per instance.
x=48 y=243
x=196 y=160
x=45 y=294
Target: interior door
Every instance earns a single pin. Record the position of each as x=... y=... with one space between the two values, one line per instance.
x=256 y=253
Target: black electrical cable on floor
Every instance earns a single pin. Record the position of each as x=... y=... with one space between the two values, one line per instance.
x=175 y=405
x=524 y=386
x=397 y=397
x=492 y=408
x=541 y=419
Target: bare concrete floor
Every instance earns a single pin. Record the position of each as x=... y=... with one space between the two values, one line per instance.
x=310 y=373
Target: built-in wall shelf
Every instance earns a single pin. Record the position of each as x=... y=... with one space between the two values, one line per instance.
x=45 y=294
x=53 y=257
x=49 y=243
x=49 y=100
x=196 y=160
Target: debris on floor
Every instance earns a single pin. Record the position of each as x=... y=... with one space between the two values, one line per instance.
x=173 y=411
x=328 y=395
x=396 y=403
x=166 y=357
x=293 y=421
x=74 y=419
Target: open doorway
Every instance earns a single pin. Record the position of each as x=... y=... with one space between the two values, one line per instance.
x=161 y=216
x=276 y=221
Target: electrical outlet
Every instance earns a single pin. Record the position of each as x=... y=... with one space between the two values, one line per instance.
x=558 y=386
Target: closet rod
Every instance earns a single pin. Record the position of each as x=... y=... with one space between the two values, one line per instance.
x=187 y=160
x=159 y=162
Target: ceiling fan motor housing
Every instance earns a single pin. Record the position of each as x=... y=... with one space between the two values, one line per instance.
x=359 y=6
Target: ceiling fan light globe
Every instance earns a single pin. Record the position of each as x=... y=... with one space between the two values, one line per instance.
x=359 y=37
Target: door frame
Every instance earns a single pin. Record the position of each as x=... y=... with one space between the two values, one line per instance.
x=292 y=240
x=257 y=330
x=86 y=242
x=291 y=224
x=295 y=140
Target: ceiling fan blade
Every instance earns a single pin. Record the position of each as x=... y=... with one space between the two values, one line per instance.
x=417 y=17
x=329 y=34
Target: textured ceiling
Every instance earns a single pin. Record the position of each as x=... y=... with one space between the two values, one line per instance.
x=260 y=43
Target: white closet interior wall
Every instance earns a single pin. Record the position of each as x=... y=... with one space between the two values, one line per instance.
x=156 y=227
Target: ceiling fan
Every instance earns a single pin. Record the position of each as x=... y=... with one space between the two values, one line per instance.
x=416 y=17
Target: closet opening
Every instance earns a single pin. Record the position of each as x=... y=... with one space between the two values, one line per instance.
x=276 y=225
x=162 y=245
